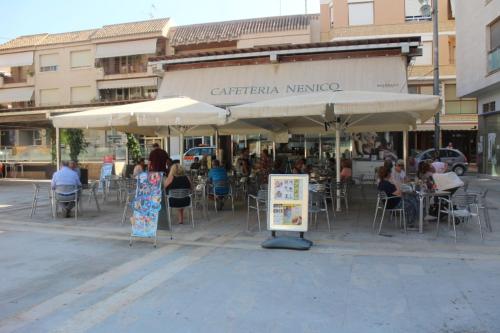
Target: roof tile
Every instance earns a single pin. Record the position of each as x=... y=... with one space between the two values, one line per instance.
x=233 y=30
x=131 y=28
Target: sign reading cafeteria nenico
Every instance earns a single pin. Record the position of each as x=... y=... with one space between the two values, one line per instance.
x=275 y=90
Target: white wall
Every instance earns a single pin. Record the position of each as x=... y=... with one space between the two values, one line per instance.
x=472 y=19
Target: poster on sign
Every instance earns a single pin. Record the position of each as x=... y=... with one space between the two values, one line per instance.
x=288 y=202
x=106 y=171
x=146 y=205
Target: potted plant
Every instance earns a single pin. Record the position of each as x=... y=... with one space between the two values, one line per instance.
x=134 y=153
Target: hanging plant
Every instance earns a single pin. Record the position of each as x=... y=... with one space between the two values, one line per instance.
x=134 y=148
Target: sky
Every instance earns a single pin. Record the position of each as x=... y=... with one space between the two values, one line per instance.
x=27 y=17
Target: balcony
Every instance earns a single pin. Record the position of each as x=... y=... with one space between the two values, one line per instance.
x=494 y=60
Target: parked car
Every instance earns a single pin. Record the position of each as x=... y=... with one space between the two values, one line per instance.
x=456 y=160
x=189 y=155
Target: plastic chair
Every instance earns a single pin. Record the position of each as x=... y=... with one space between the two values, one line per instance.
x=459 y=207
x=200 y=198
x=318 y=204
x=258 y=202
x=92 y=194
x=222 y=186
x=179 y=194
x=66 y=194
x=36 y=197
x=382 y=200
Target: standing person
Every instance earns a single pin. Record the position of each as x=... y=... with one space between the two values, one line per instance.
x=178 y=180
x=450 y=145
x=158 y=159
x=265 y=165
x=68 y=177
x=140 y=167
x=398 y=176
x=217 y=174
x=243 y=163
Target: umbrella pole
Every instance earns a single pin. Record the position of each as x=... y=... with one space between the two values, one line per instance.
x=405 y=148
x=274 y=150
x=217 y=145
x=337 y=160
x=181 y=153
x=58 y=148
x=320 y=152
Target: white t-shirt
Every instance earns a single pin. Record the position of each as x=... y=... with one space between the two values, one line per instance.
x=440 y=167
x=398 y=178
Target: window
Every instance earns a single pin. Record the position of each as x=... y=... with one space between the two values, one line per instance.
x=331 y=15
x=426 y=57
x=48 y=62
x=494 y=54
x=193 y=152
x=80 y=95
x=49 y=97
x=418 y=10
x=489 y=107
x=456 y=105
x=120 y=94
x=451 y=9
x=361 y=13
x=452 y=46
x=80 y=59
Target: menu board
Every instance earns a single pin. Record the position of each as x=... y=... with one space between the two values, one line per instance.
x=106 y=171
x=147 y=204
x=288 y=202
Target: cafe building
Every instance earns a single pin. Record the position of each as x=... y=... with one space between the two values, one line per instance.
x=226 y=78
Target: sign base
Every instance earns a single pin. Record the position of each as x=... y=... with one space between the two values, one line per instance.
x=287 y=243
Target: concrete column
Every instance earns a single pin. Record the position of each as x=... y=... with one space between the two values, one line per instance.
x=337 y=160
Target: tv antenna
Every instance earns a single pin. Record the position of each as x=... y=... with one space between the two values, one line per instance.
x=152 y=11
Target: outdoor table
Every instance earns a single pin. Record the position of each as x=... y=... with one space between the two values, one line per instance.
x=427 y=195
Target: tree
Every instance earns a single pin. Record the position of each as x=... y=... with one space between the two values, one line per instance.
x=134 y=148
x=75 y=139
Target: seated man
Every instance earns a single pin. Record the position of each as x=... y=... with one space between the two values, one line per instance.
x=196 y=164
x=218 y=174
x=65 y=177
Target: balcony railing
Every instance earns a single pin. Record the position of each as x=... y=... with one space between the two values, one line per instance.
x=129 y=69
x=494 y=60
x=14 y=79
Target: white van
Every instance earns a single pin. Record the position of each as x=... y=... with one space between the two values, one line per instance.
x=188 y=157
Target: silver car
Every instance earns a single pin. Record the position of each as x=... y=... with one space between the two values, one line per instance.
x=457 y=162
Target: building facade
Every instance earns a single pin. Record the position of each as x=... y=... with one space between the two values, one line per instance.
x=361 y=19
x=48 y=74
x=478 y=75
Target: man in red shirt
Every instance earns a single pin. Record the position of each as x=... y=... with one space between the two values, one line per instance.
x=158 y=159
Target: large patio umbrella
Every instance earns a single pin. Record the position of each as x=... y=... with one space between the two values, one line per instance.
x=181 y=114
x=354 y=111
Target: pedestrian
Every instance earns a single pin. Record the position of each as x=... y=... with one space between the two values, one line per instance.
x=450 y=145
x=158 y=159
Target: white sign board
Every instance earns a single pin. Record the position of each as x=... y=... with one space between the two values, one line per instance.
x=288 y=202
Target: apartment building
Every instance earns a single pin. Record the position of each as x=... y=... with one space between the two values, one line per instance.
x=361 y=19
x=478 y=73
x=47 y=74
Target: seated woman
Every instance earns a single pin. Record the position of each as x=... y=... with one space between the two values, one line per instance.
x=177 y=180
x=300 y=166
x=424 y=174
x=410 y=202
x=345 y=171
x=139 y=167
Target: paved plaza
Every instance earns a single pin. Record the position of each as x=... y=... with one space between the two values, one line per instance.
x=66 y=276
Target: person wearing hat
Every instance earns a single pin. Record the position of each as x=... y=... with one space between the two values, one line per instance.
x=398 y=175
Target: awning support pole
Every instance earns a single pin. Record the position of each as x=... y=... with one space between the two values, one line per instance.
x=217 y=145
x=181 y=148
x=405 y=148
x=320 y=150
x=305 y=146
x=58 y=149
x=337 y=160
x=274 y=150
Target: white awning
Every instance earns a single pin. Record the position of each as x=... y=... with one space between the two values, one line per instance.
x=128 y=83
x=145 y=46
x=16 y=94
x=234 y=85
x=16 y=59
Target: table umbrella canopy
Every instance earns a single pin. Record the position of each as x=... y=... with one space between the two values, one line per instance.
x=357 y=110
x=137 y=117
